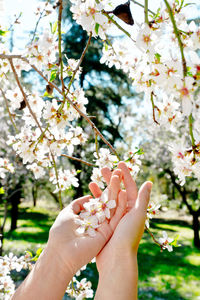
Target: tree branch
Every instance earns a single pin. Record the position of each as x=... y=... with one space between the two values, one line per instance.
x=23 y=94
x=80 y=160
x=146 y=12
x=153 y=109
x=177 y=34
x=7 y=107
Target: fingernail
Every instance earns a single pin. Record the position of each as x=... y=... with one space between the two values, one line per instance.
x=150 y=184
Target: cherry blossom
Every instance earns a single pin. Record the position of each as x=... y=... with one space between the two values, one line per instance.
x=165 y=242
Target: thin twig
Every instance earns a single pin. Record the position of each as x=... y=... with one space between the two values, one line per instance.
x=7 y=107
x=24 y=95
x=190 y=120
x=153 y=109
x=60 y=45
x=97 y=146
x=177 y=33
x=184 y=66
x=146 y=12
x=57 y=178
x=80 y=61
x=116 y=24
x=36 y=26
x=155 y=241
x=80 y=160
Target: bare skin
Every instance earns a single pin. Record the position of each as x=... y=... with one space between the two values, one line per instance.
x=115 y=245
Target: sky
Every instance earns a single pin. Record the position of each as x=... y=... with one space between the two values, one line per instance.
x=13 y=8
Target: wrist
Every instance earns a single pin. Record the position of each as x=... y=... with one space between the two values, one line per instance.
x=121 y=276
x=59 y=260
x=47 y=280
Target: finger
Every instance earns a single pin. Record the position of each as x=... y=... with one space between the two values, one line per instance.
x=129 y=184
x=118 y=172
x=95 y=189
x=120 y=210
x=77 y=205
x=114 y=188
x=106 y=173
x=112 y=196
x=143 y=198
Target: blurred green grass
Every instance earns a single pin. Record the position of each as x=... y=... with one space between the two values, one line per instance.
x=163 y=275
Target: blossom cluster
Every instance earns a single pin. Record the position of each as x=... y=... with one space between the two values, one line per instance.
x=105 y=159
x=95 y=212
x=152 y=210
x=89 y=15
x=5 y=166
x=7 y=264
x=170 y=84
x=81 y=289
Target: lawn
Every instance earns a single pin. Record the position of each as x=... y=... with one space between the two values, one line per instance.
x=163 y=275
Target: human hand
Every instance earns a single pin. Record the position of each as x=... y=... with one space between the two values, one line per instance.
x=67 y=251
x=76 y=250
x=117 y=262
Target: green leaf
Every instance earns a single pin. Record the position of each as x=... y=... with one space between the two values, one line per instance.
x=158 y=56
x=2 y=191
x=53 y=75
x=139 y=151
x=38 y=252
x=106 y=46
x=78 y=171
x=47 y=95
x=174 y=243
x=96 y=28
x=187 y=4
x=54 y=27
x=3 y=32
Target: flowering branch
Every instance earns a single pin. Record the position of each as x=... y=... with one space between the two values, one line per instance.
x=57 y=178
x=60 y=4
x=177 y=33
x=155 y=241
x=190 y=119
x=80 y=62
x=96 y=130
x=37 y=23
x=80 y=160
x=7 y=107
x=23 y=94
x=184 y=65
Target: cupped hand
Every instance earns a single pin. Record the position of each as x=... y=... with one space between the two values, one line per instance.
x=128 y=233
x=75 y=250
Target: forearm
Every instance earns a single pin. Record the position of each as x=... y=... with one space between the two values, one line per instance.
x=48 y=279
x=120 y=281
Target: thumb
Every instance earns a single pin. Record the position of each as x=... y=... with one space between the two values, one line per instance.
x=144 y=197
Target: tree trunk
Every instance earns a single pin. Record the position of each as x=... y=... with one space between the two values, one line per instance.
x=1 y=241
x=15 y=200
x=2 y=227
x=78 y=191
x=195 y=225
x=34 y=194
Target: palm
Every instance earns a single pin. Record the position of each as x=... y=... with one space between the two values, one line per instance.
x=128 y=232
x=80 y=249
